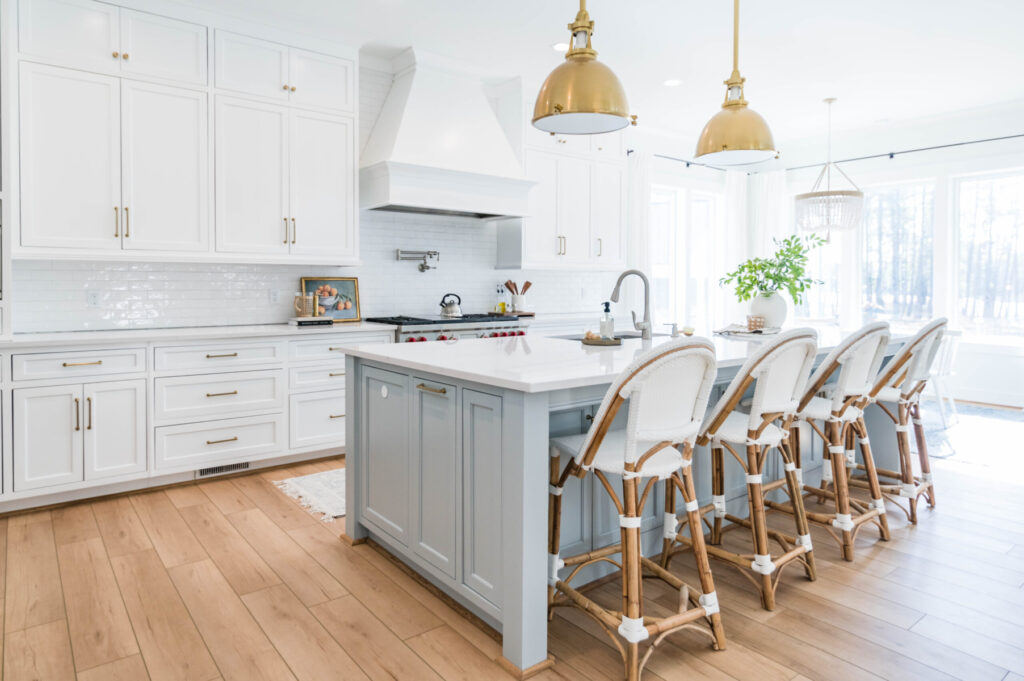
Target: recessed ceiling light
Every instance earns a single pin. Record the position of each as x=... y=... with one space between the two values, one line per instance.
x=673 y=83
x=560 y=47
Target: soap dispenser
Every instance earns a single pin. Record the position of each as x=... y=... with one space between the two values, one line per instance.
x=607 y=323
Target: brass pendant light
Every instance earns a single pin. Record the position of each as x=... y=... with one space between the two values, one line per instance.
x=581 y=96
x=737 y=134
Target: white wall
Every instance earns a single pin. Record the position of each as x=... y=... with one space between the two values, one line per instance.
x=52 y=296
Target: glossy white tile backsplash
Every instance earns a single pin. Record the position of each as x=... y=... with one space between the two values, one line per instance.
x=74 y=296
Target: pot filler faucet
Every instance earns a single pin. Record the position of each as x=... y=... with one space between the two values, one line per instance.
x=643 y=327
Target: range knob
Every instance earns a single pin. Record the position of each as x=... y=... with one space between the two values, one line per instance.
x=520 y=333
x=442 y=337
x=504 y=334
x=410 y=339
x=422 y=338
x=494 y=334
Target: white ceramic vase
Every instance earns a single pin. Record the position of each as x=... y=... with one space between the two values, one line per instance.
x=772 y=307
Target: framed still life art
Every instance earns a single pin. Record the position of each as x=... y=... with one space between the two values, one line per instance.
x=338 y=297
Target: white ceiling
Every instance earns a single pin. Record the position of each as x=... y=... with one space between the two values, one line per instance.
x=886 y=60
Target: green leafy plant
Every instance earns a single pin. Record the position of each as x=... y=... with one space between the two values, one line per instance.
x=785 y=270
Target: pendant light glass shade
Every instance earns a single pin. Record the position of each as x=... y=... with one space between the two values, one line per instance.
x=582 y=96
x=823 y=211
x=736 y=135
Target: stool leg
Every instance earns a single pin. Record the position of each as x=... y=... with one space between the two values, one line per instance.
x=700 y=554
x=717 y=489
x=837 y=437
x=554 y=520
x=906 y=465
x=632 y=592
x=670 y=508
x=759 y=522
x=922 y=453
x=796 y=497
x=872 y=474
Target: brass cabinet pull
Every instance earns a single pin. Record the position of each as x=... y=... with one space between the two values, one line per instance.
x=333 y=374
x=284 y=87
x=116 y=55
x=436 y=391
x=295 y=230
x=600 y=247
x=218 y=442
x=334 y=349
x=78 y=415
x=233 y=392
x=83 y=364
x=337 y=416
x=127 y=222
x=117 y=223
x=293 y=88
x=124 y=56
x=285 y=230
x=88 y=403
x=227 y=354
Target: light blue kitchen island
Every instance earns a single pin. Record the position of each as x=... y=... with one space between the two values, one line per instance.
x=447 y=465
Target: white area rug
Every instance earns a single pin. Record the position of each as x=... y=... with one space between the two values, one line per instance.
x=320 y=492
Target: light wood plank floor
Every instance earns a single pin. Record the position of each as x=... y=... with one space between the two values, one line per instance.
x=231 y=580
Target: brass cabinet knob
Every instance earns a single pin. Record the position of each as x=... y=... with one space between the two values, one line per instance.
x=124 y=56
x=293 y=88
x=284 y=87
x=116 y=55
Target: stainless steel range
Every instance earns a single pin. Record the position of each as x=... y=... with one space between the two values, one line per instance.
x=429 y=328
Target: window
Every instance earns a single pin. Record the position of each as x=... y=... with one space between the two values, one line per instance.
x=897 y=270
x=990 y=253
x=684 y=280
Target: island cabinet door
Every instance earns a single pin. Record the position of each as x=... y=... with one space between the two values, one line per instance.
x=482 y=503
x=386 y=460
x=435 y=473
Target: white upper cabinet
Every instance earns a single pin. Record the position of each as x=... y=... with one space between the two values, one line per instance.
x=79 y=33
x=574 y=208
x=319 y=80
x=543 y=241
x=255 y=67
x=159 y=47
x=70 y=159
x=322 y=185
x=608 y=214
x=164 y=168
x=96 y=36
x=278 y=72
x=252 y=177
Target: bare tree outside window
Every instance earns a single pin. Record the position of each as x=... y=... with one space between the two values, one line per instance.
x=897 y=267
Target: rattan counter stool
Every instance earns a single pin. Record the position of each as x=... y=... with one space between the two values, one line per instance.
x=854 y=363
x=897 y=392
x=668 y=389
x=777 y=370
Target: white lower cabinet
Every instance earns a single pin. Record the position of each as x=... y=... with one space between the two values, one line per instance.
x=196 y=445
x=317 y=419
x=70 y=433
x=216 y=395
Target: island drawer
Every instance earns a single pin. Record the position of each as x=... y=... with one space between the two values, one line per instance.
x=317 y=377
x=194 y=445
x=80 y=363
x=219 y=355
x=215 y=395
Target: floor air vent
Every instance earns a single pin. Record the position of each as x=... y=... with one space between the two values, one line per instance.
x=221 y=470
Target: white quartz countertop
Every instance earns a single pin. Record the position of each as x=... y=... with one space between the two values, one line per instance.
x=538 y=364
x=187 y=334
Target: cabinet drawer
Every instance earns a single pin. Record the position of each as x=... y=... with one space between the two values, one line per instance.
x=72 y=364
x=214 y=395
x=201 y=444
x=310 y=377
x=326 y=349
x=217 y=356
x=317 y=419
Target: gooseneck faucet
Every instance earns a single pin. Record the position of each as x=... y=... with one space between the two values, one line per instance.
x=643 y=327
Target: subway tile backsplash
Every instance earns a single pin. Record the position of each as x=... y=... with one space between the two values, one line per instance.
x=75 y=296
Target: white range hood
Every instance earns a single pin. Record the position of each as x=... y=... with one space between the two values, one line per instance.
x=438 y=147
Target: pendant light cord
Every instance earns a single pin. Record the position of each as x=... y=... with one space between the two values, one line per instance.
x=828 y=152
x=735 y=38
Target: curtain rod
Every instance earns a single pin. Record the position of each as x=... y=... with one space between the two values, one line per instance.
x=894 y=154
x=889 y=154
x=680 y=160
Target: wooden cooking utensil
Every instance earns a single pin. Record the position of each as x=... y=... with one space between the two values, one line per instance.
x=526 y=287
